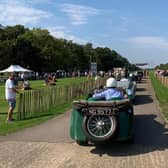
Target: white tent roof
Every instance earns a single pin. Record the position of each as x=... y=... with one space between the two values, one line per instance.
x=15 y=68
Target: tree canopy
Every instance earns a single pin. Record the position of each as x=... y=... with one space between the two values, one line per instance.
x=38 y=50
x=162 y=66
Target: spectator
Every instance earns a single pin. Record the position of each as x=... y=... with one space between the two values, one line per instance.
x=26 y=85
x=10 y=94
x=50 y=80
x=22 y=76
x=98 y=82
x=37 y=76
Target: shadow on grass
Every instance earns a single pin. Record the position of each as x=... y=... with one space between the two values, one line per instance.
x=3 y=113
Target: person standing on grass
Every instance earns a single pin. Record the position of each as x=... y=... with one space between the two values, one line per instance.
x=10 y=94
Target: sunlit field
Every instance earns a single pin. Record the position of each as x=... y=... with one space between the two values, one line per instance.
x=36 y=84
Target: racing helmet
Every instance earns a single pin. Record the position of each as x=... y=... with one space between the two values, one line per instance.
x=111 y=82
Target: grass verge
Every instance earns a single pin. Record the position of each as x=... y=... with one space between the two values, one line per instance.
x=6 y=128
x=161 y=94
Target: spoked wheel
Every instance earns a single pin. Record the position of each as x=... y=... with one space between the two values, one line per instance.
x=99 y=128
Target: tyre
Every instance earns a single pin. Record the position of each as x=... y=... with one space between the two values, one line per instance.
x=99 y=128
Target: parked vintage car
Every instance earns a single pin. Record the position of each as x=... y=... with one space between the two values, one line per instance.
x=101 y=121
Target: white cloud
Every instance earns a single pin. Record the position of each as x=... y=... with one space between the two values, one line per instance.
x=20 y=13
x=148 y=41
x=39 y=1
x=61 y=32
x=78 y=14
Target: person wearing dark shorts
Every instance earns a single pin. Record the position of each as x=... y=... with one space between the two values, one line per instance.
x=12 y=103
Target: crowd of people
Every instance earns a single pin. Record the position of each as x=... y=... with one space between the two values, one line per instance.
x=161 y=72
x=107 y=90
x=50 y=79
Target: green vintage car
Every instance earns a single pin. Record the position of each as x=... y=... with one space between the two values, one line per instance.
x=101 y=121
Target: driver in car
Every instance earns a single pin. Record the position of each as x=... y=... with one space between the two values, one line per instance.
x=110 y=93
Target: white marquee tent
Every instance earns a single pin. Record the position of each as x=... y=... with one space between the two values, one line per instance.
x=15 y=68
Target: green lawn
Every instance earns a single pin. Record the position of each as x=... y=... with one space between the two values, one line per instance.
x=60 y=82
x=6 y=128
x=161 y=94
x=37 y=84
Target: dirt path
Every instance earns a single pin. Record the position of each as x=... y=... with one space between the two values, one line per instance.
x=149 y=125
x=30 y=147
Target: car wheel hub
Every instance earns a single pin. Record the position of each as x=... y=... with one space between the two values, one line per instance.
x=100 y=125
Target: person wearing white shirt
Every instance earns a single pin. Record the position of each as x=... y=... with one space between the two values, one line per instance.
x=10 y=94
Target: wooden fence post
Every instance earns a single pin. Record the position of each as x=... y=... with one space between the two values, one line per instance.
x=20 y=106
x=166 y=81
x=35 y=101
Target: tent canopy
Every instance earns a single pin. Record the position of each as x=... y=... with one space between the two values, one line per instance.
x=15 y=68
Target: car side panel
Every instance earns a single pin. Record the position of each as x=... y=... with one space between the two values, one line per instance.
x=76 y=131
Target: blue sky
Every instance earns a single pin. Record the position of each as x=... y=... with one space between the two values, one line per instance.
x=138 y=30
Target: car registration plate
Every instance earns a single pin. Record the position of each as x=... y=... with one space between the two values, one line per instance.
x=100 y=111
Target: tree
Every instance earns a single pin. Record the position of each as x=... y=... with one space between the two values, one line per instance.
x=40 y=51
